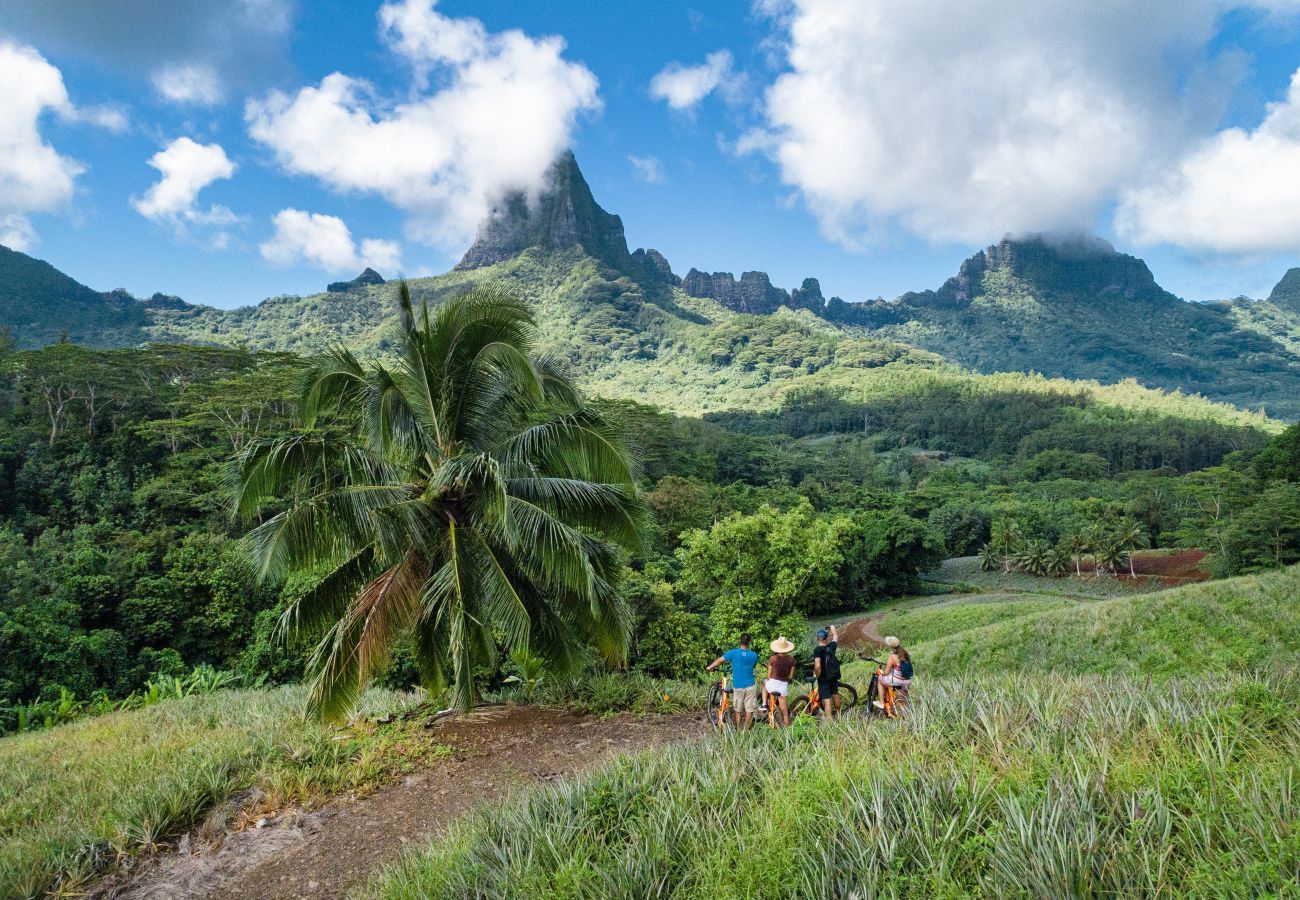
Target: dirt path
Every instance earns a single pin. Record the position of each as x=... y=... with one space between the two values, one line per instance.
x=864 y=634
x=324 y=853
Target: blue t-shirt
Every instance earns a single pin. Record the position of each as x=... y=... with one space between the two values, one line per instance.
x=742 y=666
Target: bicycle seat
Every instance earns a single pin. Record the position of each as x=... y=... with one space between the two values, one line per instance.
x=809 y=679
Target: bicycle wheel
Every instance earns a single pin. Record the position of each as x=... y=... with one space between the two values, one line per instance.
x=848 y=696
x=798 y=706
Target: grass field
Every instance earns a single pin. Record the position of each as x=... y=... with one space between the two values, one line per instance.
x=1238 y=624
x=73 y=799
x=1038 y=787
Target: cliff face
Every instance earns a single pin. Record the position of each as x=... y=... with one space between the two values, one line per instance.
x=753 y=294
x=564 y=215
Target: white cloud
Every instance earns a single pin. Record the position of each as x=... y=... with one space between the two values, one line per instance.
x=193 y=84
x=504 y=111
x=965 y=121
x=649 y=169
x=326 y=243
x=1236 y=192
x=684 y=86
x=34 y=177
x=187 y=167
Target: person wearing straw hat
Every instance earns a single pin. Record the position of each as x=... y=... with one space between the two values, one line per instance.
x=780 y=670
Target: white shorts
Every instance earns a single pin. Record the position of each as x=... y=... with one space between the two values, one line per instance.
x=777 y=687
x=893 y=679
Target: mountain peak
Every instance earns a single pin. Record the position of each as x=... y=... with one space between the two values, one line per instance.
x=563 y=215
x=1286 y=293
x=1076 y=264
x=368 y=277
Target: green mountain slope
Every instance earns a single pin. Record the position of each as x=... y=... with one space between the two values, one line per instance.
x=1081 y=310
x=41 y=305
x=701 y=343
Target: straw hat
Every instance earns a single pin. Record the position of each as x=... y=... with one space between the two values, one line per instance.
x=781 y=645
x=892 y=641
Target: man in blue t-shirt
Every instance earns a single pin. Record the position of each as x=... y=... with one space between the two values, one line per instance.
x=744 y=697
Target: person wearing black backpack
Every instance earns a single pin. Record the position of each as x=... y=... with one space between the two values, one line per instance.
x=826 y=668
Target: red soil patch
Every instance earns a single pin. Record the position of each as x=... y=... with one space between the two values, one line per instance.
x=1170 y=569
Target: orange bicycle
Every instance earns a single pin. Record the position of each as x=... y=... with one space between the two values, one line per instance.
x=811 y=704
x=885 y=700
x=719 y=703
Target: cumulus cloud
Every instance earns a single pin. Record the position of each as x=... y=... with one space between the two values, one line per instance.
x=34 y=177
x=504 y=110
x=187 y=167
x=966 y=121
x=648 y=168
x=1236 y=192
x=326 y=243
x=193 y=84
x=681 y=87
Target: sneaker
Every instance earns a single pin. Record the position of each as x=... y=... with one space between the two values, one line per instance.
x=877 y=704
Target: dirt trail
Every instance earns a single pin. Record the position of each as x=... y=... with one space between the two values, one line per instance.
x=324 y=853
x=864 y=634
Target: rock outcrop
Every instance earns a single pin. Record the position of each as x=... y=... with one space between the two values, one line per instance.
x=753 y=294
x=1080 y=265
x=368 y=277
x=1286 y=293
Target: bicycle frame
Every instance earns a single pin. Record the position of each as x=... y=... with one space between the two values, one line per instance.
x=724 y=703
x=888 y=695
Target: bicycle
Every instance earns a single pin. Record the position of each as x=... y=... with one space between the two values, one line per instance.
x=811 y=704
x=774 y=718
x=719 y=703
x=884 y=700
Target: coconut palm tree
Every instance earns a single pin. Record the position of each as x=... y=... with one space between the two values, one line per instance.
x=1094 y=536
x=462 y=497
x=1034 y=557
x=1110 y=554
x=1131 y=536
x=1077 y=540
x=1006 y=537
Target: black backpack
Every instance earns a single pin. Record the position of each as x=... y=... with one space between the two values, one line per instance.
x=830 y=665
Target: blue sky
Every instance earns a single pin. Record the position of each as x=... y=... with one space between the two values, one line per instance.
x=873 y=144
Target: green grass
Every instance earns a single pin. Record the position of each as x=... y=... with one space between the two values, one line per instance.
x=75 y=798
x=935 y=620
x=995 y=787
x=1238 y=624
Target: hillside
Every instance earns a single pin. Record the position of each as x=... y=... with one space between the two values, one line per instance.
x=1238 y=624
x=706 y=342
x=42 y=306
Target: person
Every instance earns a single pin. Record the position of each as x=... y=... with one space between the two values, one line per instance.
x=744 y=694
x=898 y=668
x=780 y=670
x=826 y=667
